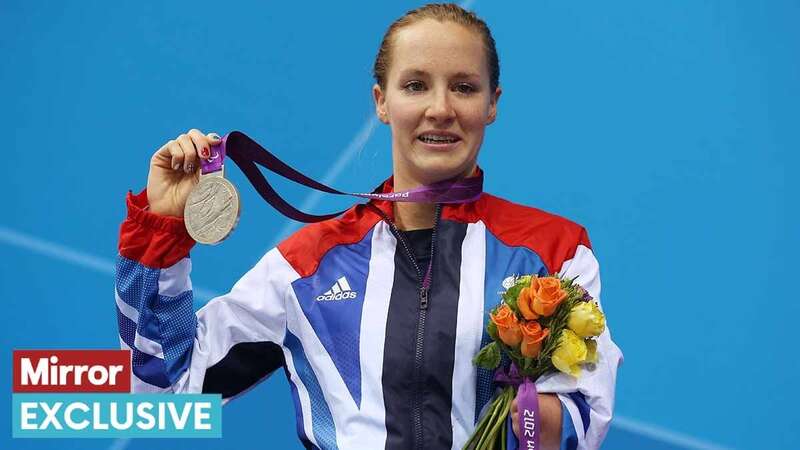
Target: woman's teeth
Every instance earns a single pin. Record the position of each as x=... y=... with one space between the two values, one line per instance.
x=436 y=139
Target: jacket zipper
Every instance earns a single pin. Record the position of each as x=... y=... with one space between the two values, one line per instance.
x=424 y=298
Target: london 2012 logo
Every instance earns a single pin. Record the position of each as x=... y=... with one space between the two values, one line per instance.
x=87 y=393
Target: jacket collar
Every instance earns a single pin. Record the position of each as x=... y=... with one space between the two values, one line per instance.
x=387 y=207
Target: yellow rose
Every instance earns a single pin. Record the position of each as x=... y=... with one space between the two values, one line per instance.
x=570 y=353
x=586 y=320
x=591 y=351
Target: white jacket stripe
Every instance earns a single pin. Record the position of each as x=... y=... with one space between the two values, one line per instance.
x=373 y=327
x=175 y=280
x=469 y=329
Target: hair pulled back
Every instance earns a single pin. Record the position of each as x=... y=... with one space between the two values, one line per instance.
x=442 y=12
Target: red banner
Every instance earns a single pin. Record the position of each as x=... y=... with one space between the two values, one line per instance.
x=72 y=371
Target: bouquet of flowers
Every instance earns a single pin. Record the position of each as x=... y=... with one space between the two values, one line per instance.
x=542 y=324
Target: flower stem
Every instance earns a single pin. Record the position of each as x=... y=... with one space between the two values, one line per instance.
x=503 y=442
x=499 y=419
x=497 y=405
x=483 y=424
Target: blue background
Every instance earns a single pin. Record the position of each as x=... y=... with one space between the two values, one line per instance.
x=668 y=128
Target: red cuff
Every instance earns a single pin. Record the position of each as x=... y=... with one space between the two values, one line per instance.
x=153 y=240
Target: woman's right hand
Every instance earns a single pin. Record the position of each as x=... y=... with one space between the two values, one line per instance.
x=175 y=170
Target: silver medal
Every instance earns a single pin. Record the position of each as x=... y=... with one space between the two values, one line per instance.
x=212 y=209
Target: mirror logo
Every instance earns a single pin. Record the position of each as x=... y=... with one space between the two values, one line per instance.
x=86 y=394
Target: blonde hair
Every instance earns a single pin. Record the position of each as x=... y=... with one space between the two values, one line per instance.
x=442 y=12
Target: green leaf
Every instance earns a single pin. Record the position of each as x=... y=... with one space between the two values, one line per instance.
x=488 y=357
x=510 y=297
x=527 y=364
x=492 y=330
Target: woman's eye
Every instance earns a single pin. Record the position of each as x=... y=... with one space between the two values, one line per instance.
x=414 y=86
x=464 y=88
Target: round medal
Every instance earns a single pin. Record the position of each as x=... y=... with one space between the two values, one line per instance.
x=212 y=210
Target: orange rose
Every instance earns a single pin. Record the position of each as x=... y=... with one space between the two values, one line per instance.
x=532 y=336
x=547 y=295
x=507 y=326
x=525 y=304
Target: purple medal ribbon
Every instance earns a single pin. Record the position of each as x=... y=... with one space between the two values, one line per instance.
x=246 y=153
x=527 y=405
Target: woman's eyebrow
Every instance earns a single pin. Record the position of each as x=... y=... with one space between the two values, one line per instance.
x=414 y=73
x=466 y=75
x=422 y=73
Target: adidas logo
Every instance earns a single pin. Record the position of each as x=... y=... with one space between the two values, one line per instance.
x=339 y=291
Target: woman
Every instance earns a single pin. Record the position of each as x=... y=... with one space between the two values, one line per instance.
x=377 y=357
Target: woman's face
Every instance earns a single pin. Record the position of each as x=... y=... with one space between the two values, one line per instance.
x=437 y=101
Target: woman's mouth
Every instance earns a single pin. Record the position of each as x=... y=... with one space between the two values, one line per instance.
x=439 y=140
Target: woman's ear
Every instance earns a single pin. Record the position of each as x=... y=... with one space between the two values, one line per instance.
x=493 y=105
x=380 y=103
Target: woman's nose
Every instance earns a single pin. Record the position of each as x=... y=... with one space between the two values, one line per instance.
x=440 y=107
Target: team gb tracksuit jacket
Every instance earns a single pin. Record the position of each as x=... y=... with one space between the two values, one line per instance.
x=337 y=305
